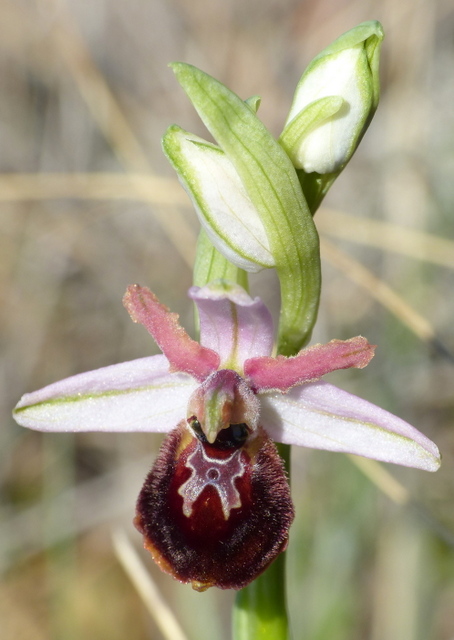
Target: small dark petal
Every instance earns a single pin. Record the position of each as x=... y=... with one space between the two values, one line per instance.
x=215 y=516
x=197 y=428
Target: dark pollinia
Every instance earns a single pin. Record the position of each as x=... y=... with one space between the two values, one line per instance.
x=215 y=514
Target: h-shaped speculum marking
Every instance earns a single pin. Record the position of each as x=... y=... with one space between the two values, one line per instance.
x=218 y=473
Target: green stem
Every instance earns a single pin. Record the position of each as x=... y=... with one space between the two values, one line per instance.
x=315 y=187
x=210 y=265
x=59 y=536
x=260 y=610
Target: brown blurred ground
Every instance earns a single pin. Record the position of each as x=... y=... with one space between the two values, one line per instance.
x=85 y=89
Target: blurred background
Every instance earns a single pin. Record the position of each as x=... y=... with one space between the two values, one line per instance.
x=88 y=205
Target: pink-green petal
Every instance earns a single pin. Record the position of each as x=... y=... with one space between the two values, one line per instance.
x=281 y=373
x=321 y=416
x=232 y=323
x=183 y=353
x=140 y=395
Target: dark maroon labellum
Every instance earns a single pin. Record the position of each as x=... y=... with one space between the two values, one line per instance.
x=215 y=514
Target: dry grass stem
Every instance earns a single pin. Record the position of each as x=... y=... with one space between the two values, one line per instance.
x=105 y=110
x=382 y=479
x=159 y=190
x=19 y=187
x=108 y=115
x=386 y=236
x=379 y=290
x=146 y=588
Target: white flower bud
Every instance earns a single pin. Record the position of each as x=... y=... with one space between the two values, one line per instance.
x=334 y=102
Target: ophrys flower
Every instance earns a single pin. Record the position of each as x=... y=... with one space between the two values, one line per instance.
x=215 y=509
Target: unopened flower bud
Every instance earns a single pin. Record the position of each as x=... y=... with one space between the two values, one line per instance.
x=334 y=102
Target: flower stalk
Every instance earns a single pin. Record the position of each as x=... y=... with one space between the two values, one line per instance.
x=210 y=265
x=260 y=610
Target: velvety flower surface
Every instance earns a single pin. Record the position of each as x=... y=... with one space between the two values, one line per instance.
x=292 y=404
x=215 y=509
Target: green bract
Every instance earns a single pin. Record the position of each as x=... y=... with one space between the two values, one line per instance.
x=249 y=199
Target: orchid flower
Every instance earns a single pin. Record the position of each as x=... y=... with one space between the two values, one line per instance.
x=216 y=508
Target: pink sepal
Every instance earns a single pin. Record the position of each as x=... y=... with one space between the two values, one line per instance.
x=281 y=373
x=183 y=353
x=232 y=323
